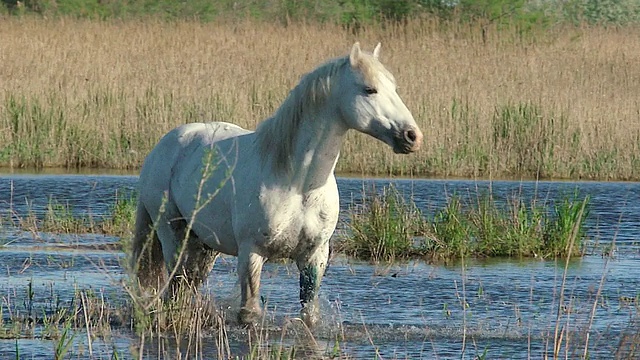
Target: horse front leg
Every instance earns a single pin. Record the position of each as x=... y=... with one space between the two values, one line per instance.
x=311 y=273
x=249 y=270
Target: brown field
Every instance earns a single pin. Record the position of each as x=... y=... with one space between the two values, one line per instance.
x=563 y=103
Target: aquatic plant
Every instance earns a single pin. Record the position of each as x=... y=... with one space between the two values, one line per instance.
x=450 y=234
x=64 y=343
x=485 y=228
x=120 y=217
x=386 y=227
x=564 y=233
x=60 y=217
x=383 y=226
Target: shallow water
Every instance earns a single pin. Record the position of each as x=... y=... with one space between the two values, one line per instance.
x=507 y=308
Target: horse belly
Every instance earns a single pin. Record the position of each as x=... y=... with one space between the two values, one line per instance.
x=213 y=224
x=216 y=232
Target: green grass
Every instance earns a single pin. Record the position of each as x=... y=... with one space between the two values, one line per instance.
x=486 y=228
x=38 y=128
x=59 y=218
x=386 y=227
x=383 y=227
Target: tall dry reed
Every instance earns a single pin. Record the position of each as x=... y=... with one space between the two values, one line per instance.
x=560 y=103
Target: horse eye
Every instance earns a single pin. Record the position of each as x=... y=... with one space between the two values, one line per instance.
x=370 y=90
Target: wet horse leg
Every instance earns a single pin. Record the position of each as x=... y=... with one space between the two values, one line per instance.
x=146 y=252
x=249 y=270
x=171 y=230
x=195 y=263
x=198 y=262
x=170 y=246
x=311 y=273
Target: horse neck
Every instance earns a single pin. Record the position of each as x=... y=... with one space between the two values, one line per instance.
x=316 y=148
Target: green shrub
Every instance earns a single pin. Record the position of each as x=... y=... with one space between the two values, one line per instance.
x=485 y=228
x=521 y=14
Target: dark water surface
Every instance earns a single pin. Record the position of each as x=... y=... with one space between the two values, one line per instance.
x=507 y=308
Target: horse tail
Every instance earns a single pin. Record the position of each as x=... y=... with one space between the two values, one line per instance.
x=147 y=261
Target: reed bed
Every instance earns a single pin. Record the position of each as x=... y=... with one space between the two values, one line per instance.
x=558 y=103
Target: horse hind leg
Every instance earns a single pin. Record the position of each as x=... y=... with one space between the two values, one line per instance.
x=146 y=261
x=195 y=263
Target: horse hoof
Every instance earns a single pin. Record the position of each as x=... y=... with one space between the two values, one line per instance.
x=249 y=317
x=310 y=316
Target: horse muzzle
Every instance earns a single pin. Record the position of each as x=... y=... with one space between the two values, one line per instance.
x=408 y=141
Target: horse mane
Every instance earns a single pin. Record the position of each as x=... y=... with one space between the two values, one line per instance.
x=276 y=135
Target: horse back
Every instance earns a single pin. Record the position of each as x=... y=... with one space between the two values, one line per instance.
x=180 y=149
x=177 y=143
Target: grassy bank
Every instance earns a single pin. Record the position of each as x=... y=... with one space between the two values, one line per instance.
x=492 y=102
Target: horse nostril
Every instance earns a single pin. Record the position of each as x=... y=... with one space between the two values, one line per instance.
x=410 y=136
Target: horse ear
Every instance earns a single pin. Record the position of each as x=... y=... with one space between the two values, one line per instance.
x=354 y=57
x=376 y=52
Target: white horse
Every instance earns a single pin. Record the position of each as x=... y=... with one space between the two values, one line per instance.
x=264 y=194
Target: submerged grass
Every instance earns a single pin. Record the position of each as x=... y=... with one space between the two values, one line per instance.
x=77 y=322
x=60 y=217
x=386 y=227
x=558 y=103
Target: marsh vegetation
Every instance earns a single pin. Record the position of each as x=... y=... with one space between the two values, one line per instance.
x=386 y=226
x=493 y=100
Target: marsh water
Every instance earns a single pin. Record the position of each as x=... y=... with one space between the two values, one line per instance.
x=504 y=309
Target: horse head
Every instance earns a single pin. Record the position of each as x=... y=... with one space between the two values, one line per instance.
x=370 y=104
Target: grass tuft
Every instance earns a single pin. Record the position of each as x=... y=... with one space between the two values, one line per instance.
x=386 y=227
x=383 y=227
